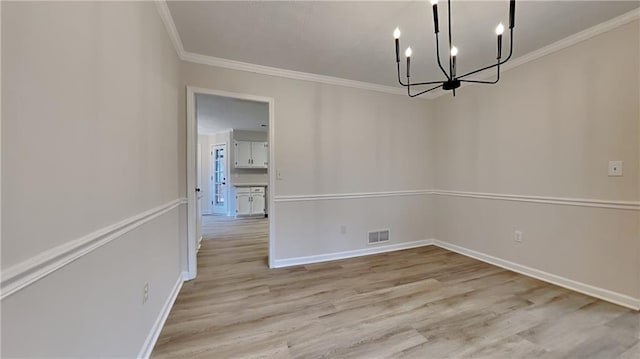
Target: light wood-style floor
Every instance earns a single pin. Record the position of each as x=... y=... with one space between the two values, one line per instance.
x=418 y=303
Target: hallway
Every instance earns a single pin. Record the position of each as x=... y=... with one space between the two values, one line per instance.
x=228 y=228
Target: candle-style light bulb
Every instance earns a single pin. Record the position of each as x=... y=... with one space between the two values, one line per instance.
x=396 y=35
x=499 y=31
x=434 y=2
x=408 y=55
x=454 y=52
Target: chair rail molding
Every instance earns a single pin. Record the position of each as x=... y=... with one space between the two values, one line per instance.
x=35 y=268
x=563 y=201
x=322 y=197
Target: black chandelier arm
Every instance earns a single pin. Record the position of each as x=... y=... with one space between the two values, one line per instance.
x=438 y=57
x=399 y=79
x=422 y=92
x=417 y=83
x=486 y=82
x=496 y=64
x=422 y=83
x=451 y=74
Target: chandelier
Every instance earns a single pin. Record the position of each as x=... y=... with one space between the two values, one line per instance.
x=453 y=80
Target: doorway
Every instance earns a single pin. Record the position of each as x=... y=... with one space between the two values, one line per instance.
x=223 y=189
x=219 y=191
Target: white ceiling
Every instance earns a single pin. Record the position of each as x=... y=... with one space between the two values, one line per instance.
x=353 y=40
x=217 y=114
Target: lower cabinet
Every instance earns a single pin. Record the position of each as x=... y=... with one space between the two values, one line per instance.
x=250 y=201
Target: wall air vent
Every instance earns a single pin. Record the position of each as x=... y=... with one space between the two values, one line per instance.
x=378 y=236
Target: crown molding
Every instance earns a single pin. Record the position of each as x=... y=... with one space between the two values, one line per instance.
x=167 y=19
x=290 y=74
x=571 y=40
x=559 y=45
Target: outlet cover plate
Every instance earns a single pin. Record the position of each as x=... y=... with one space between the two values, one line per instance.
x=517 y=236
x=615 y=168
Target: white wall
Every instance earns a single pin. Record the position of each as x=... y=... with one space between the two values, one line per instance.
x=100 y=146
x=338 y=140
x=549 y=129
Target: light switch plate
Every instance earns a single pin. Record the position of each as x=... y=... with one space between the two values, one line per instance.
x=615 y=168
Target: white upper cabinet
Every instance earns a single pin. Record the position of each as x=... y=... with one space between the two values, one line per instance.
x=251 y=154
x=243 y=154
x=260 y=154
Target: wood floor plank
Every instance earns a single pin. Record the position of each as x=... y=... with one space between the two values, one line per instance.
x=419 y=303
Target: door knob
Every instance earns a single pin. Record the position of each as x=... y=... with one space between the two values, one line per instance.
x=197 y=189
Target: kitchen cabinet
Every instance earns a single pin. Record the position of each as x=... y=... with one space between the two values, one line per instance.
x=251 y=154
x=250 y=201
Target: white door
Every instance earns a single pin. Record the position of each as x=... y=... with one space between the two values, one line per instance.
x=219 y=201
x=199 y=197
x=259 y=154
x=243 y=154
x=243 y=203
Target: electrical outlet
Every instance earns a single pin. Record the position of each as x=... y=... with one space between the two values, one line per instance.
x=145 y=293
x=517 y=236
x=343 y=229
x=615 y=168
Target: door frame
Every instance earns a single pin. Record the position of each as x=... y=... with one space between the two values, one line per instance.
x=212 y=174
x=192 y=133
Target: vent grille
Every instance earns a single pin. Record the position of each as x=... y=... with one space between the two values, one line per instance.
x=378 y=236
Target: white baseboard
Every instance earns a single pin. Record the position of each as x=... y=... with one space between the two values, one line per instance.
x=186 y=276
x=600 y=293
x=199 y=244
x=287 y=262
x=152 y=338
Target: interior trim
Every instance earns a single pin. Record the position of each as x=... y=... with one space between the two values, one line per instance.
x=586 y=34
x=167 y=19
x=563 y=201
x=156 y=329
x=290 y=74
x=35 y=268
x=288 y=262
x=323 y=197
x=600 y=293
